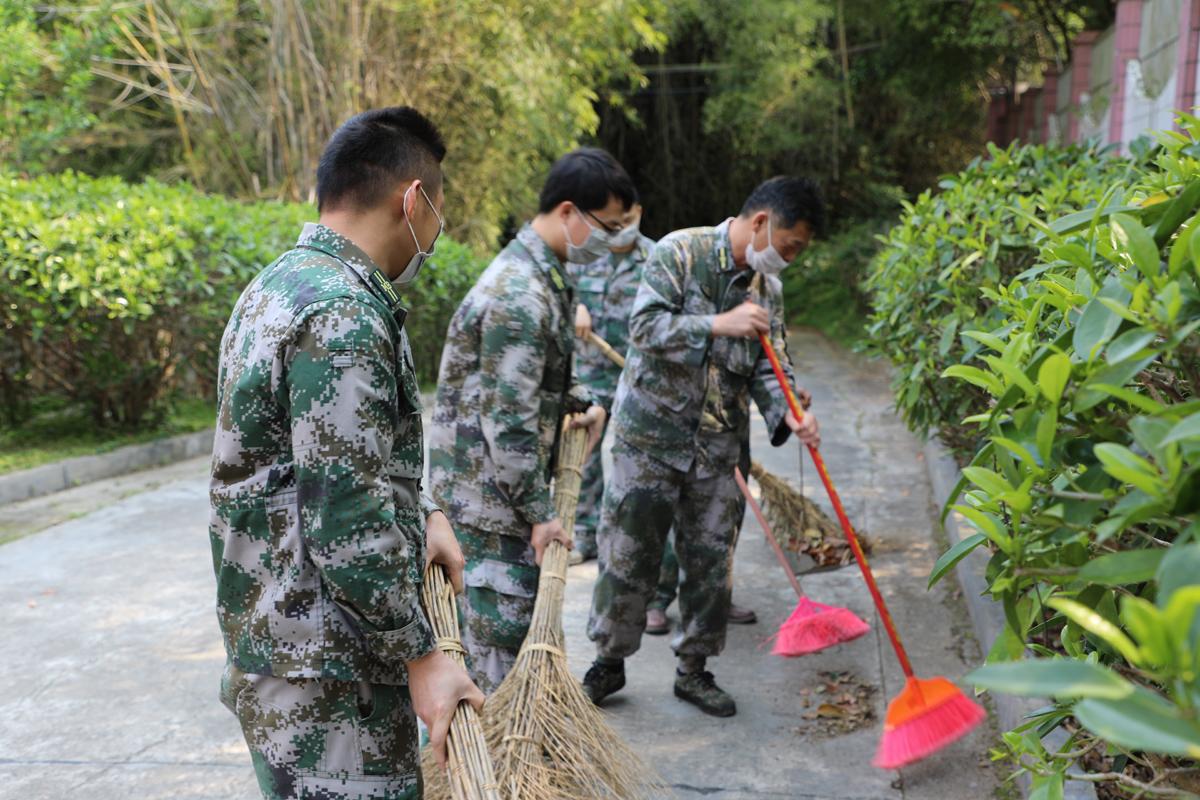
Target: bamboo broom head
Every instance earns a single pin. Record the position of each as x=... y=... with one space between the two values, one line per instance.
x=469 y=775
x=800 y=524
x=549 y=739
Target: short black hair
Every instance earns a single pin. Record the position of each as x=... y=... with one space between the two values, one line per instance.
x=789 y=200
x=587 y=177
x=375 y=150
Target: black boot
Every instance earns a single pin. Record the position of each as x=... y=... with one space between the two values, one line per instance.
x=699 y=689
x=603 y=679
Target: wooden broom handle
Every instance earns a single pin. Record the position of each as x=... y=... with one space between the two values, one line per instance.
x=606 y=349
x=847 y=528
x=762 y=521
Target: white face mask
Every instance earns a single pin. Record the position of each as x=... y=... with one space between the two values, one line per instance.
x=626 y=236
x=421 y=256
x=594 y=246
x=767 y=261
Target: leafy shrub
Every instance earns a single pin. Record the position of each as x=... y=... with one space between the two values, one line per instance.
x=115 y=295
x=1086 y=486
x=825 y=291
x=930 y=282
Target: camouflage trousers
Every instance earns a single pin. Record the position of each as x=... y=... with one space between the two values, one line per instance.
x=326 y=739
x=501 y=580
x=668 y=577
x=642 y=500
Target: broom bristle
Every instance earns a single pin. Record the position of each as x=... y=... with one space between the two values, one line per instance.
x=814 y=626
x=548 y=739
x=927 y=716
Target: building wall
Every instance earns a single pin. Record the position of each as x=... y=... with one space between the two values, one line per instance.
x=1121 y=83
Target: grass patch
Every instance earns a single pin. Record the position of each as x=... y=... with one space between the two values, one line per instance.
x=56 y=431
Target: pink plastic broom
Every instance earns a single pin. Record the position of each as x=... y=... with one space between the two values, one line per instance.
x=813 y=626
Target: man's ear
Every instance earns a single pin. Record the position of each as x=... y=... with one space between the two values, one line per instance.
x=759 y=220
x=563 y=210
x=404 y=199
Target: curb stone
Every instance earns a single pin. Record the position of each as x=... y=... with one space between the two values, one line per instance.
x=60 y=475
x=987 y=617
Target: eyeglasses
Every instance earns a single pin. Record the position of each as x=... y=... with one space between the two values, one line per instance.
x=608 y=227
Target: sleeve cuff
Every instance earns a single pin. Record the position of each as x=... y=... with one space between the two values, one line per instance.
x=406 y=644
x=781 y=432
x=538 y=510
x=428 y=506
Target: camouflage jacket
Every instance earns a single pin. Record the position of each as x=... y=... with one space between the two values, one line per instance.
x=504 y=383
x=317 y=518
x=607 y=287
x=684 y=393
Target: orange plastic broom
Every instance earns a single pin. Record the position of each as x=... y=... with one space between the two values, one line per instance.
x=813 y=626
x=929 y=713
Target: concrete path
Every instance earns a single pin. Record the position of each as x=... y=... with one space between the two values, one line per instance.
x=108 y=684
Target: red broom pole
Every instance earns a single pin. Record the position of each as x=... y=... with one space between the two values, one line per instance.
x=847 y=528
x=928 y=714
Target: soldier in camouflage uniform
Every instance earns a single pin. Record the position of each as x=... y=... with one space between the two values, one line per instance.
x=606 y=288
x=319 y=528
x=681 y=418
x=504 y=384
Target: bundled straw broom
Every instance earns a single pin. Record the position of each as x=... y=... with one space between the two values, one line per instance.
x=470 y=775
x=550 y=741
x=800 y=524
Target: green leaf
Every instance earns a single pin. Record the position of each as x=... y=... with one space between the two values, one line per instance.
x=1125 y=465
x=955 y=554
x=1012 y=373
x=1138 y=401
x=1180 y=568
x=1128 y=344
x=1047 y=787
x=986 y=525
x=1181 y=206
x=1047 y=428
x=1147 y=626
x=989 y=339
x=1091 y=621
x=1063 y=678
x=1129 y=234
x=947 y=339
x=986 y=479
x=1180 y=250
x=1119 y=569
x=1186 y=428
x=1096 y=326
x=1082 y=219
x=976 y=377
x=1194 y=247
x=1009 y=646
x=1053 y=376
x=1141 y=721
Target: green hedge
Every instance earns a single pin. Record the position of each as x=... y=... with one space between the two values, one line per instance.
x=938 y=269
x=1079 y=380
x=114 y=295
